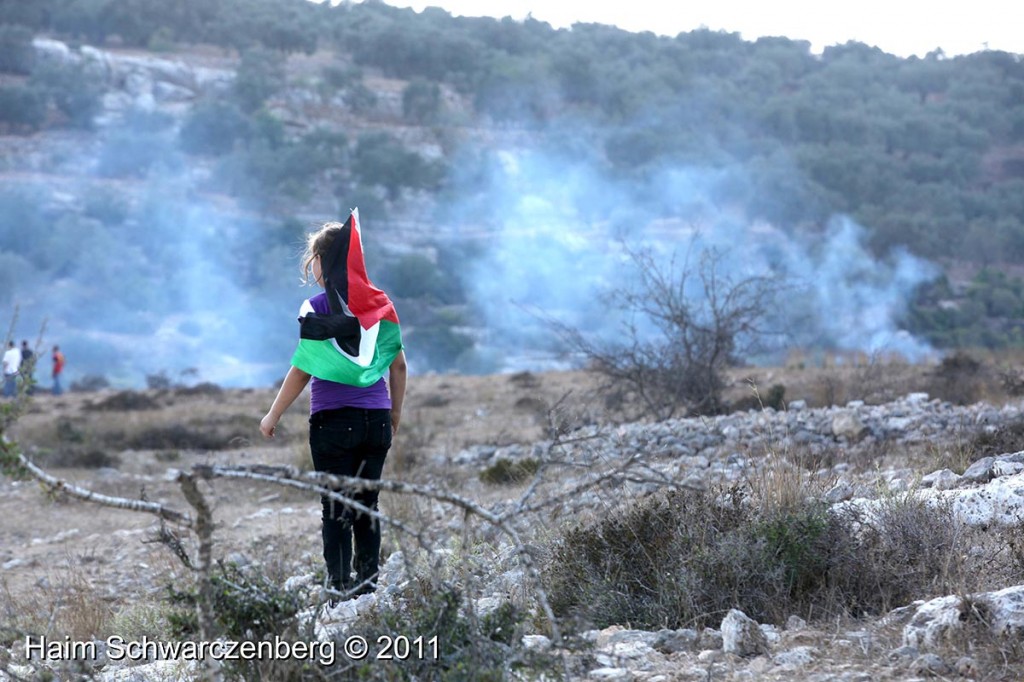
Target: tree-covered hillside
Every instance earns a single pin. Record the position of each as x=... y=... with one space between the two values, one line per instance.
x=398 y=112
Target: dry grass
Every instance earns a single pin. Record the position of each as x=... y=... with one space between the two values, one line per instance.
x=114 y=422
x=65 y=604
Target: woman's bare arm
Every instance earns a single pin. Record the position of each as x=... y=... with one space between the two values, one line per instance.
x=397 y=379
x=294 y=382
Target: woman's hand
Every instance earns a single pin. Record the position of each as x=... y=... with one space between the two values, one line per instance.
x=268 y=425
x=396 y=418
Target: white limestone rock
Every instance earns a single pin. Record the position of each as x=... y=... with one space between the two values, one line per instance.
x=849 y=426
x=741 y=635
x=796 y=658
x=937 y=619
x=943 y=479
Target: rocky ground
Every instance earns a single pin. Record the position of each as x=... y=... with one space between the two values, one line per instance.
x=75 y=569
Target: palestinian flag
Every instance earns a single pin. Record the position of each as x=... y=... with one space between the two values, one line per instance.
x=357 y=341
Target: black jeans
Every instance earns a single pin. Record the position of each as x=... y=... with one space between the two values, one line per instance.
x=350 y=441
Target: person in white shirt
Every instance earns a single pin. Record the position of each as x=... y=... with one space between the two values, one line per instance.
x=12 y=362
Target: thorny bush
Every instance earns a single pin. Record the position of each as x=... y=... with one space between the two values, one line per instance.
x=684 y=558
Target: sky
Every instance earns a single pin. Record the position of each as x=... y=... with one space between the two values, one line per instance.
x=900 y=27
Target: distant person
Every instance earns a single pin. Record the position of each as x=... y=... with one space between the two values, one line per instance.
x=28 y=364
x=58 y=367
x=11 y=362
x=349 y=339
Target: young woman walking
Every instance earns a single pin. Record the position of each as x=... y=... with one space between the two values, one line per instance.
x=349 y=341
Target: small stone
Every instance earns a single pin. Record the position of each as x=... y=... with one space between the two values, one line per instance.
x=943 y=479
x=980 y=471
x=966 y=667
x=796 y=658
x=674 y=641
x=710 y=656
x=238 y=559
x=840 y=492
x=298 y=582
x=930 y=665
x=760 y=665
x=797 y=405
x=904 y=654
x=795 y=623
x=847 y=425
x=604 y=637
x=633 y=636
x=897 y=485
x=488 y=605
x=536 y=642
x=771 y=633
x=711 y=638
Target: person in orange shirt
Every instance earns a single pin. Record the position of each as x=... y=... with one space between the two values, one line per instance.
x=58 y=367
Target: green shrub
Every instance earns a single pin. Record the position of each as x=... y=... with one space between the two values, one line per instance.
x=124 y=401
x=775 y=398
x=340 y=77
x=246 y=605
x=16 y=52
x=905 y=550
x=421 y=101
x=470 y=647
x=213 y=127
x=260 y=75
x=76 y=457
x=1005 y=438
x=206 y=388
x=106 y=206
x=181 y=437
x=507 y=471
x=128 y=154
x=360 y=98
x=382 y=160
x=72 y=88
x=22 y=107
x=414 y=275
x=68 y=431
x=959 y=378
x=90 y=383
x=682 y=559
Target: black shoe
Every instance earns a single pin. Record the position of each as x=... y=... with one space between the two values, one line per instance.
x=365 y=588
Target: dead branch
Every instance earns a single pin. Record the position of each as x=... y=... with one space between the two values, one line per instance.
x=320 y=482
x=204 y=531
x=290 y=477
x=172 y=541
x=59 y=485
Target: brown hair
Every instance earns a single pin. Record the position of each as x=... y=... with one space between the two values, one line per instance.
x=318 y=244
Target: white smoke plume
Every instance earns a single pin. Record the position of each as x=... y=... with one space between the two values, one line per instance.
x=555 y=250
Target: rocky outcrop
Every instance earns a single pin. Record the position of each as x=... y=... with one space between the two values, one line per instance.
x=704 y=452
x=936 y=622
x=1000 y=501
x=139 y=81
x=856 y=427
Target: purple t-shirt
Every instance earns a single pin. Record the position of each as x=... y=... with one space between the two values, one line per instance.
x=330 y=395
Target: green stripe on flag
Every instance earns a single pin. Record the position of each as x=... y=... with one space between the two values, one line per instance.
x=322 y=359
